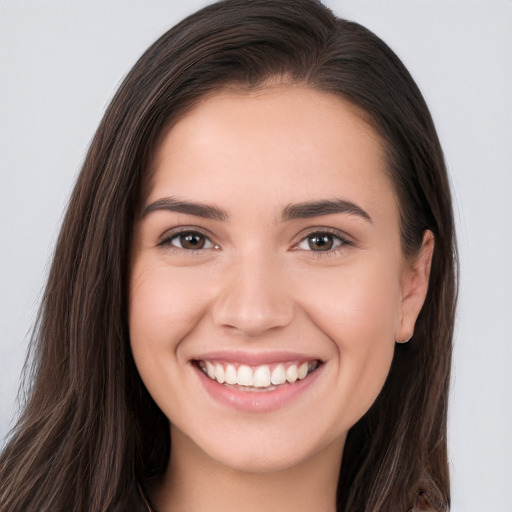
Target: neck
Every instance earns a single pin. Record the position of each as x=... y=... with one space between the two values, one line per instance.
x=196 y=482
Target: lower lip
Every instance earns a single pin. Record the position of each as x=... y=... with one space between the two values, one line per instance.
x=257 y=401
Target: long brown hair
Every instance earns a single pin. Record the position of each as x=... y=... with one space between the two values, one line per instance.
x=90 y=432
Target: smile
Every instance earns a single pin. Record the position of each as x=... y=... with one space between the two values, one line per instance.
x=264 y=377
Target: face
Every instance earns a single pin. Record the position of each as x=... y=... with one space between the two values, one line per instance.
x=267 y=283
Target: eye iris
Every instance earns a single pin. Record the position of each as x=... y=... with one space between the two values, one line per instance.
x=320 y=242
x=192 y=241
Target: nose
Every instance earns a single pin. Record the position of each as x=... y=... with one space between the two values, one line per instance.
x=255 y=298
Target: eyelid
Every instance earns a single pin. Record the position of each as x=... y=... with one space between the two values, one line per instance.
x=345 y=239
x=172 y=233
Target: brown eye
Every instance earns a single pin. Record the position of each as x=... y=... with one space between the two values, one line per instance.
x=191 y=241
x=320 y=242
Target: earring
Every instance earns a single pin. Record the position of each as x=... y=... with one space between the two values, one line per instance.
x=404 y=341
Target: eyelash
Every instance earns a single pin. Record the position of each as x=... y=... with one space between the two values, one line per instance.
x=339 y=241
x=179 y=232
x=342 y=241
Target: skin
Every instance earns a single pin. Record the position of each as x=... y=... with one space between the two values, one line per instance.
x=260 y=285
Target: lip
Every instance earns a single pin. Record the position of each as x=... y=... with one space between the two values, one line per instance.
x=256 y=401
x=256 y=359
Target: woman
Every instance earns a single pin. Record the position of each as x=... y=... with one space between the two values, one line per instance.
x=254 y=281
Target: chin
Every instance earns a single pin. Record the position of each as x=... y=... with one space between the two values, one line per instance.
x=256 y=462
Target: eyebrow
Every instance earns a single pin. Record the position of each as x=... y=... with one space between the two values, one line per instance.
x=324 y=207
x=293 y=211
x=172 y=204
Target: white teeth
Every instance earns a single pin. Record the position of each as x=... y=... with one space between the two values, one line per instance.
x=259 y=377
x=219 y=373
x=244 y=377
x=302 y=371
x=291 y=373
x=210 y=369
x=278 y=375
x=262 y=377
x=230 y=374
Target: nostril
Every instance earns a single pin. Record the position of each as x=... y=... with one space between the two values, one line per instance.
x=252 y=310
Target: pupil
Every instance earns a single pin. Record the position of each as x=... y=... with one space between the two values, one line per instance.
x=192 y=241
x=321 y=242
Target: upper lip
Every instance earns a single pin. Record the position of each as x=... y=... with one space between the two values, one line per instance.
x=255 y=358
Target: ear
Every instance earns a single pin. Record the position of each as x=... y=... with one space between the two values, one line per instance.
x=414 y=284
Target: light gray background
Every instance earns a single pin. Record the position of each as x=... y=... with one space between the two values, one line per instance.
x=60 y=63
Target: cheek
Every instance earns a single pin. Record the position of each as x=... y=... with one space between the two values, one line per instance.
x=164 y=306
x=360 y=305
x=359 y=312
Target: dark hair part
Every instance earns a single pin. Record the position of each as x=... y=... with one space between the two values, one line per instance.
x=90 y=431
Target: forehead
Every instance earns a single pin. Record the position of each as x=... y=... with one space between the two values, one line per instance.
x=281 y=143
